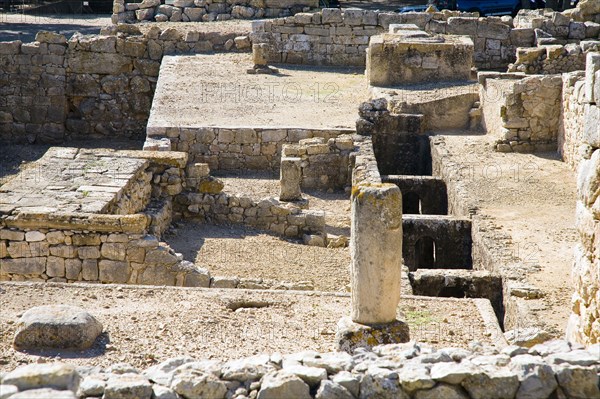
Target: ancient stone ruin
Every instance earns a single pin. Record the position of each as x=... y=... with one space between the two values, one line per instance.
x=318 y=203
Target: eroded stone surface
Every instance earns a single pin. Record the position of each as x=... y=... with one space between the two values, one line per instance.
x=57 y=326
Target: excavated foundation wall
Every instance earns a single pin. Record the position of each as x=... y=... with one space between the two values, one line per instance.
x=121 y=247
x=206 y=10
x=581 y=148
x=97 y=86
x=521 y=113
x=333 y=37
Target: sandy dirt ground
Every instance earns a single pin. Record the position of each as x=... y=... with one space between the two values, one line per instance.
x=224 y=95
x=146 y=325
x=237 y=251
x=530 y=197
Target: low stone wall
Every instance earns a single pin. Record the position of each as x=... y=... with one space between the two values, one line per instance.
x=96 y=86
x=324 y=165
x=281 y=218
x=333 y=37
x=206 y=10
x=584 y=324
x=549 y=60
x=117 y=245
x=237 y=148
x=521 y=113
x=388 y=371
x=67 y=255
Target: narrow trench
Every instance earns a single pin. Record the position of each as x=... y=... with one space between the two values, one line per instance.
x=436 y=246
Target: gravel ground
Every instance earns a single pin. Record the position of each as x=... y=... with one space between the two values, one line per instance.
x=146 y=325
x=238 y=251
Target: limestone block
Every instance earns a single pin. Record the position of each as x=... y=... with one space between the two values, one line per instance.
x=50 y=37
x=280 y=384
x=290 y=179
x=44 y=393
x=331 y=16
x=376 y=250
x=56 y=326
x=592 y=64
x=59 y=376
x=101 y=63
x=394 y=59
x=591 y=125
x=23 y=266
x=351 y=335
x=113 y=271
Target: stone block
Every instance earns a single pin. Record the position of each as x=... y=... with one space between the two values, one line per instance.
x=100 y=63
x=290 y=179
x=23 y=266
x=113 y=271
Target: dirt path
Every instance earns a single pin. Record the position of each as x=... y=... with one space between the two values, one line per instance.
x=531 y=198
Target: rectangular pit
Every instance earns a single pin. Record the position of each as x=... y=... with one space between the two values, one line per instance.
x=436 y=242
x=424 y=195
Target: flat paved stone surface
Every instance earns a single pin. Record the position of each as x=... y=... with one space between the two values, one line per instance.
x=215 y=90
x=69 y=180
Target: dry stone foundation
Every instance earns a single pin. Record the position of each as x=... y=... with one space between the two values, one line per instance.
x=410 y=57
x=522 y=113
x=206 y=10
x=96 y=86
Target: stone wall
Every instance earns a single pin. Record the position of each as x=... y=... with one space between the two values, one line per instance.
x=414 y=57
x=521 y=113
x=424 y=195
x=552 y=59
x=282 y=218
x=236 y=148
x=96 y=86
x=445 y=240
x=206 y=10
x=333 y=37
x=324 y=165
x=570 y=133
x=118 y=245
x=584 y=324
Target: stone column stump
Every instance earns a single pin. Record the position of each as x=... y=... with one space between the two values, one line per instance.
x=376 y=249
x=290 y=179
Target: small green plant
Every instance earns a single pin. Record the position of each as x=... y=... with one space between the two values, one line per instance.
x=419 y=317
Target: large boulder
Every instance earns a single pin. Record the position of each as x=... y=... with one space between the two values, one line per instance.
x=56 y=327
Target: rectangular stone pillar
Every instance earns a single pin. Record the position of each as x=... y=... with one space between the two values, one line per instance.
x=290 y=179
x=376 y=250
